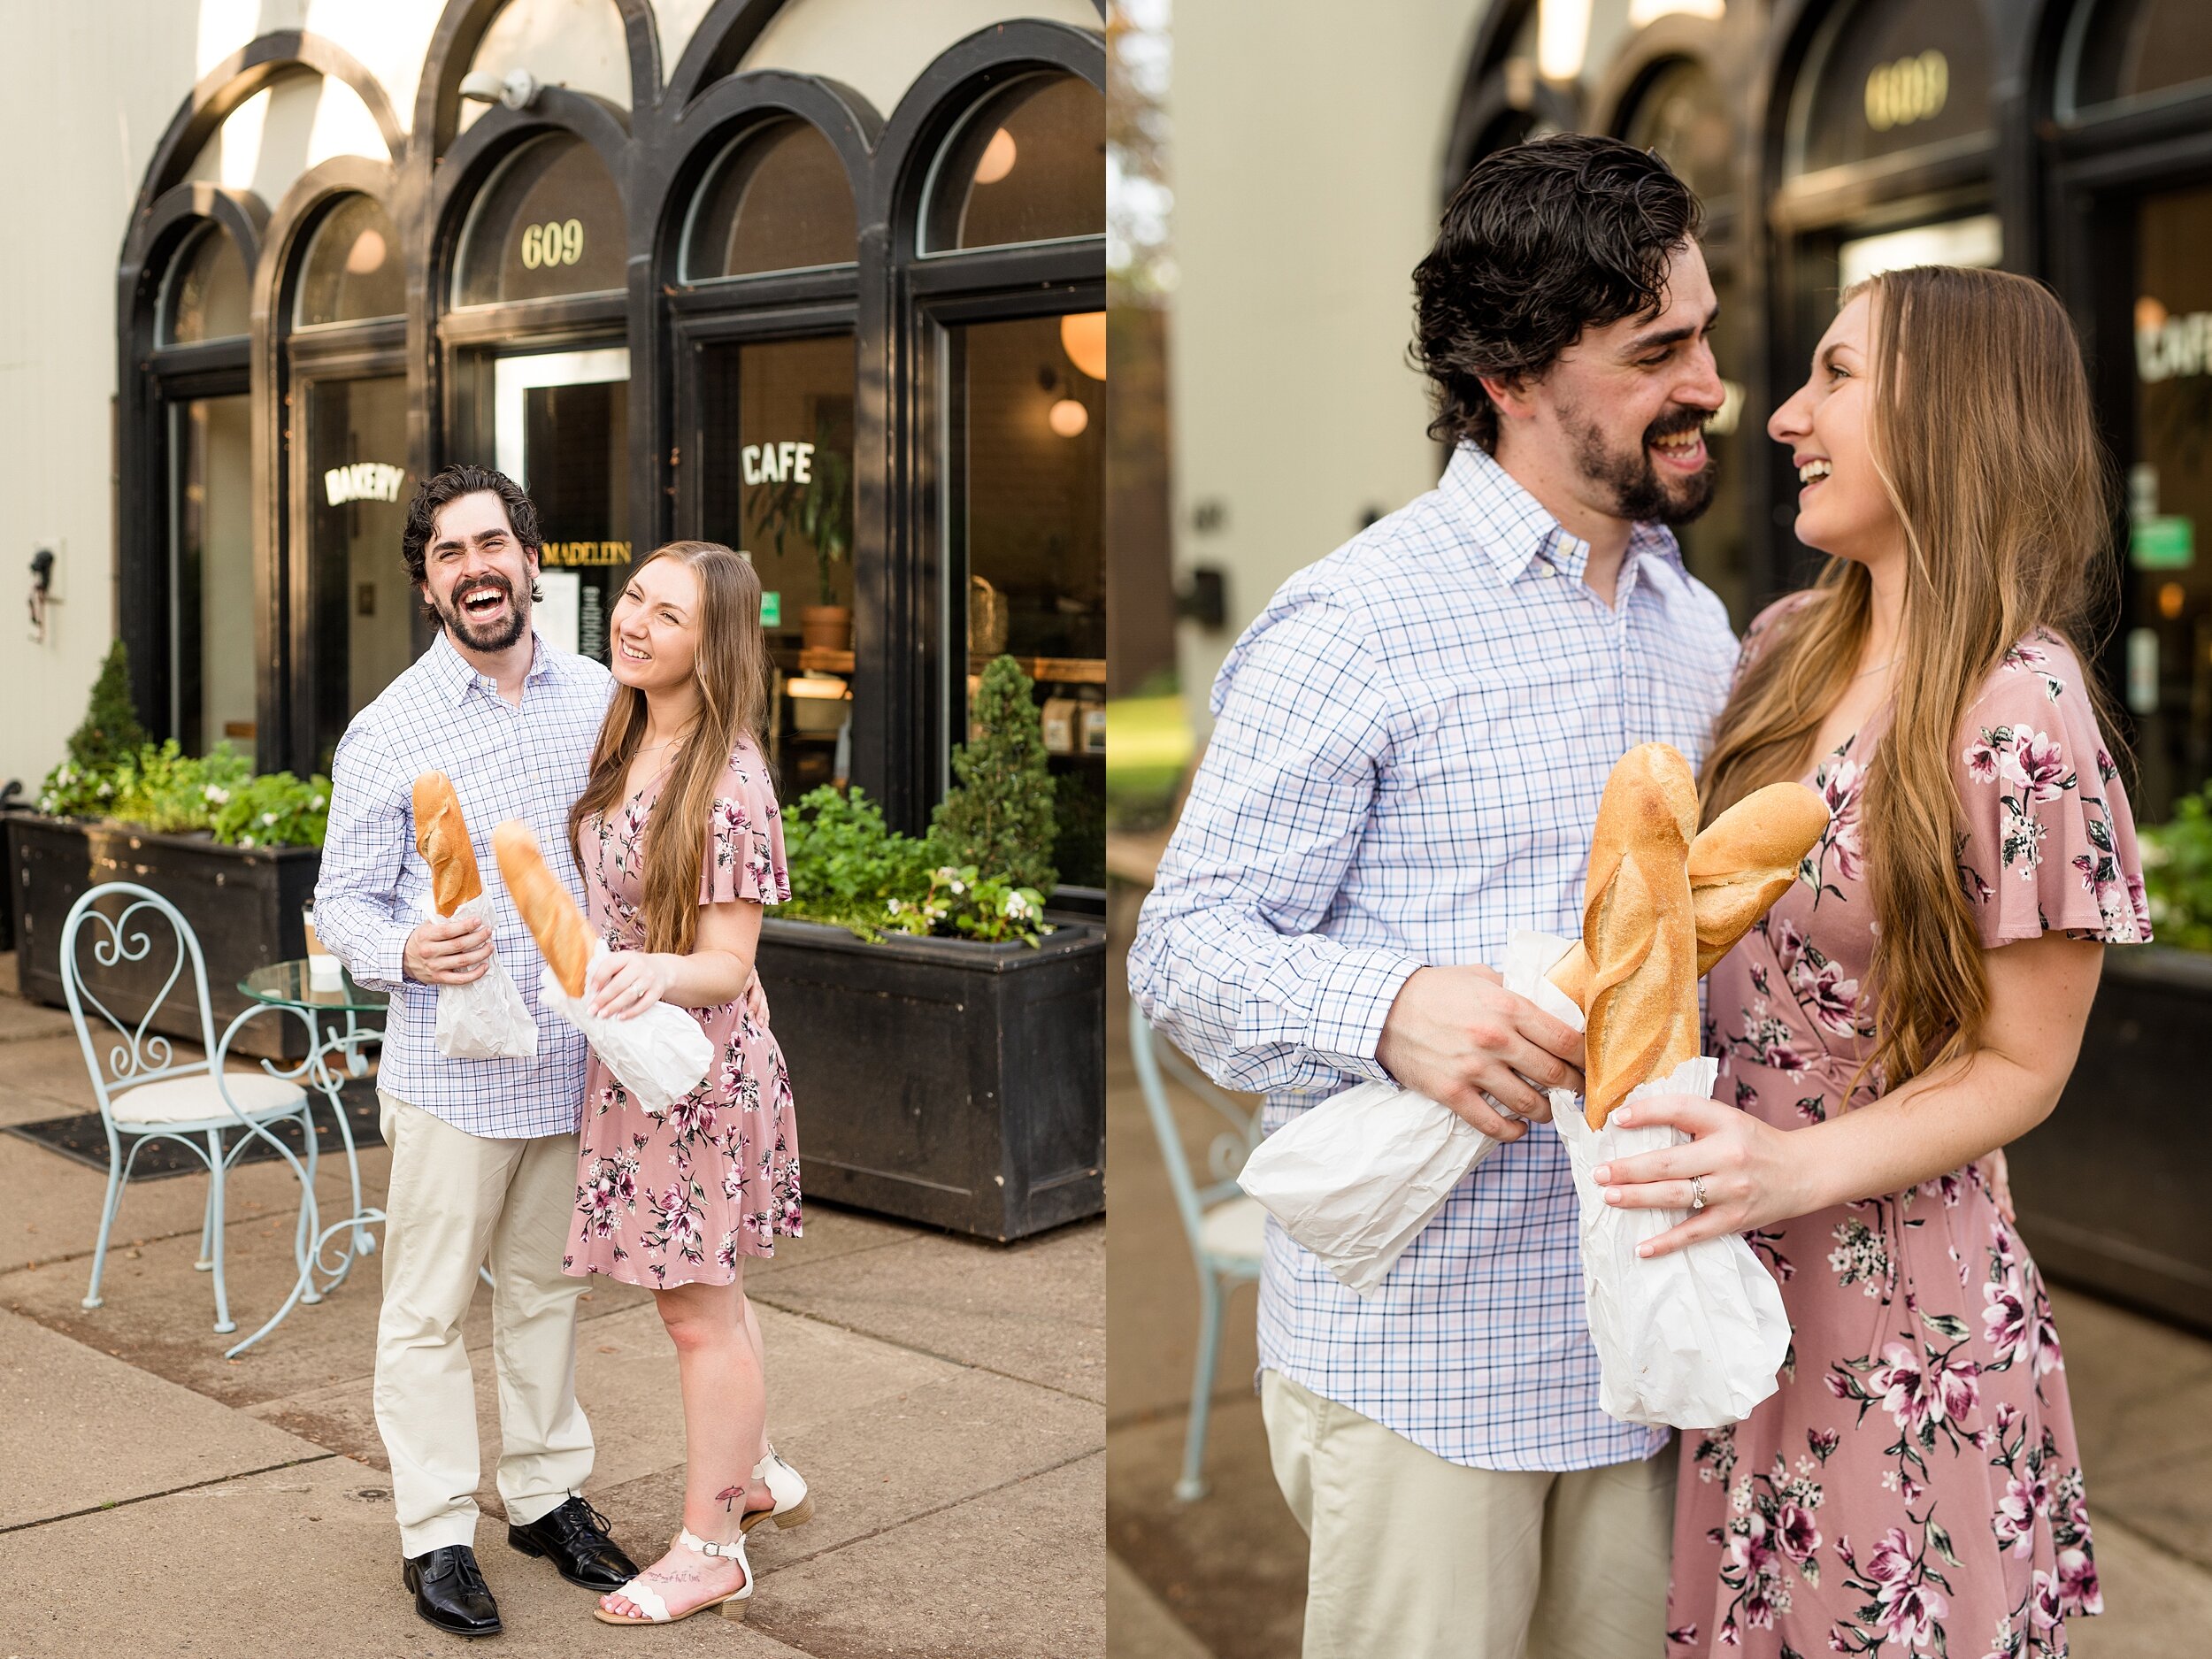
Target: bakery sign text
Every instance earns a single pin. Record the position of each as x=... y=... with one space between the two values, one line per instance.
x=584 y=553
x=773 y=463
x=363 y=480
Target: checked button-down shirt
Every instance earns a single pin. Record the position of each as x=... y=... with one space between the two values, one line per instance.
x=529 y=762
x=1408 y=748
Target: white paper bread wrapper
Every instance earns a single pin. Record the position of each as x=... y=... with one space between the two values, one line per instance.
x=659 y=1056
x=486 y=1018
x=1355 y=1179
x=1692 y=1338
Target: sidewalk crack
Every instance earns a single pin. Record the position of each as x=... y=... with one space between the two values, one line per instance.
x=147 y=1497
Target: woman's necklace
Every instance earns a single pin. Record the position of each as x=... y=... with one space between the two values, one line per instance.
x=1877 y=669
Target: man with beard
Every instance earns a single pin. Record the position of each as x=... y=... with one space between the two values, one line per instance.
x=1409 y=747
x=483 y=1151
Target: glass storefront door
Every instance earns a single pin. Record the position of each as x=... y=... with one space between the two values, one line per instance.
x=212 y=612
x=776 y=418
x=561 y=430
x=355 y=491
x=2168 y=598
x=1027 y=477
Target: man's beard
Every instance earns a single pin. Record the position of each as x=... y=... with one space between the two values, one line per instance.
x=1639 y=493
x=501 y=634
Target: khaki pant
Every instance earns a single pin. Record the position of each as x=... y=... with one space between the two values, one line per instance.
x=457 y=1198
x=1413 y=1556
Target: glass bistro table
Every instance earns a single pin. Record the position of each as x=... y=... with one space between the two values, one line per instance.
x=336 y=1052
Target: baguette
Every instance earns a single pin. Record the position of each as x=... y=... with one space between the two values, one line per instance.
x=1639 y=929
x=441 y=836
x=551 y=914
x=1740 y=866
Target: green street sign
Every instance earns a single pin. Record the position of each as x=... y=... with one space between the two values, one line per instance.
x=771 y=610
x=2163 y=543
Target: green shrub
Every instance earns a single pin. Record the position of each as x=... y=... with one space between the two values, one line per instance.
x=274 y=809
x=111 y=732
x=999 y=816
x=959 y=906
x=2177 y=874
x=163 y=789
x=843 y=859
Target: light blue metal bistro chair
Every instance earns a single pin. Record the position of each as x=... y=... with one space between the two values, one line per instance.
x=1227 y=1231
x=145 y=1095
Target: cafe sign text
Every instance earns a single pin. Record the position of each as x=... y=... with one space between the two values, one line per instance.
x=773 y=463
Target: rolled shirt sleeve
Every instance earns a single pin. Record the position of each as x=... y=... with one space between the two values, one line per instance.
x=357 y=910
x=1229 y=960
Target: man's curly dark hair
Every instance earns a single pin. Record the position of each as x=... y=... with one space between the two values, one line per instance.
x=1541 y=241
x=433 y=495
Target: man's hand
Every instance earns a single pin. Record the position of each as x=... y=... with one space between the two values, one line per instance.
x=447 y=950
x=1457 y=1035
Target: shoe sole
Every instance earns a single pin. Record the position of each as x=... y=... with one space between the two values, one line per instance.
x=522 y=1547
x=731 y=1607
x=798 y=1515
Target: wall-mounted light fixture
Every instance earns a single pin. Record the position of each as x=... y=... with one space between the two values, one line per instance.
x=1068 y=417
x=517 y=89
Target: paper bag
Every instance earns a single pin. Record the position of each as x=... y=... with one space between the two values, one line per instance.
x=486 y=1018
x=1355 y=1179
x=659 y=1056
x=1692 y=1338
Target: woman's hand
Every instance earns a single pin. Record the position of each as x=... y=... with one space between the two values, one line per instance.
x=1754 y=1173
x=623 y=984
x=756 y=1000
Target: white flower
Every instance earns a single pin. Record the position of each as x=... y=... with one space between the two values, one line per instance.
x=245 y=840
x=315 y=805
x=959 y=886
x=217 y=794
x=268 y=818
x=106 y=789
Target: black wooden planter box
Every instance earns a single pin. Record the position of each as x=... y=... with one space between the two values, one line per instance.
x=244 y=905
x=2111 y=1186
x=955 y=1084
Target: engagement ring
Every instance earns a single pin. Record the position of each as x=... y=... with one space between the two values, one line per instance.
x=1697 y=1192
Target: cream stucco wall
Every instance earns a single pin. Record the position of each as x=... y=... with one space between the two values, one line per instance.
x=1305 y=159
x=90 y=88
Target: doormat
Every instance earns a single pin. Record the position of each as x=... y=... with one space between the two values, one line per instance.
x=81 y=1137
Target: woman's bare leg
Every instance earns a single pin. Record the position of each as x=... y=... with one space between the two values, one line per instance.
x=725 y=1400
x=760 y=1497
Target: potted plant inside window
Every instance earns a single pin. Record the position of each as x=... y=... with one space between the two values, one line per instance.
x=819 y=508
x=2108 y=1185
x=951 y=1058
x=238 y=855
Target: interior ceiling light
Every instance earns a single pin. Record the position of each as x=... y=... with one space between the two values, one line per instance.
x=1083 y=337
x=1068 y=417
x=997 y=159
x=367 y=254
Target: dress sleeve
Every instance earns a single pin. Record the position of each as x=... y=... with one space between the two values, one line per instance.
x=2048 y=839
x=744 y=857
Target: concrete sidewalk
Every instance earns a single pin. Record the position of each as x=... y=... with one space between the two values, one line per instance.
x=1225 y=1576
x=945 y=1399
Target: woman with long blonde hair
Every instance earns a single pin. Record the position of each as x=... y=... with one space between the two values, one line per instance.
x=1915 y=1003
x=679 y=839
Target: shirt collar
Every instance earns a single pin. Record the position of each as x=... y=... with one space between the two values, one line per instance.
x=455 y=675
x=1513 y=529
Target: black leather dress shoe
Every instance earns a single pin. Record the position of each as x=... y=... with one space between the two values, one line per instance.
x=575 y=1537
x=450 y=1592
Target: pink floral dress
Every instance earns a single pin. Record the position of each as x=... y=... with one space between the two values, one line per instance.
x=676 y=1199
x=1913 y=1487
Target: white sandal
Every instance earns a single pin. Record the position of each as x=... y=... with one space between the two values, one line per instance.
x=794 y=1504
x=648 y=1602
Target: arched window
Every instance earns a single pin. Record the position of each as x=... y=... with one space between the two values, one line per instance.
x=1027 y=166
x=1889 y=76
x=2116 y=51
x=205 y=296
x=352 y=271
x=548 y=223
x=778 y=200
x=1680 y=113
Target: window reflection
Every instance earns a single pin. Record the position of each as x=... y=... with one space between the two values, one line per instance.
x=211 y=574
x=352 y=270
x=357 y=491
x=207 y=297
x=1026 y=456
x=777 y=429
x=2169 y=647
x=778 y=200
x=1028 y=166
